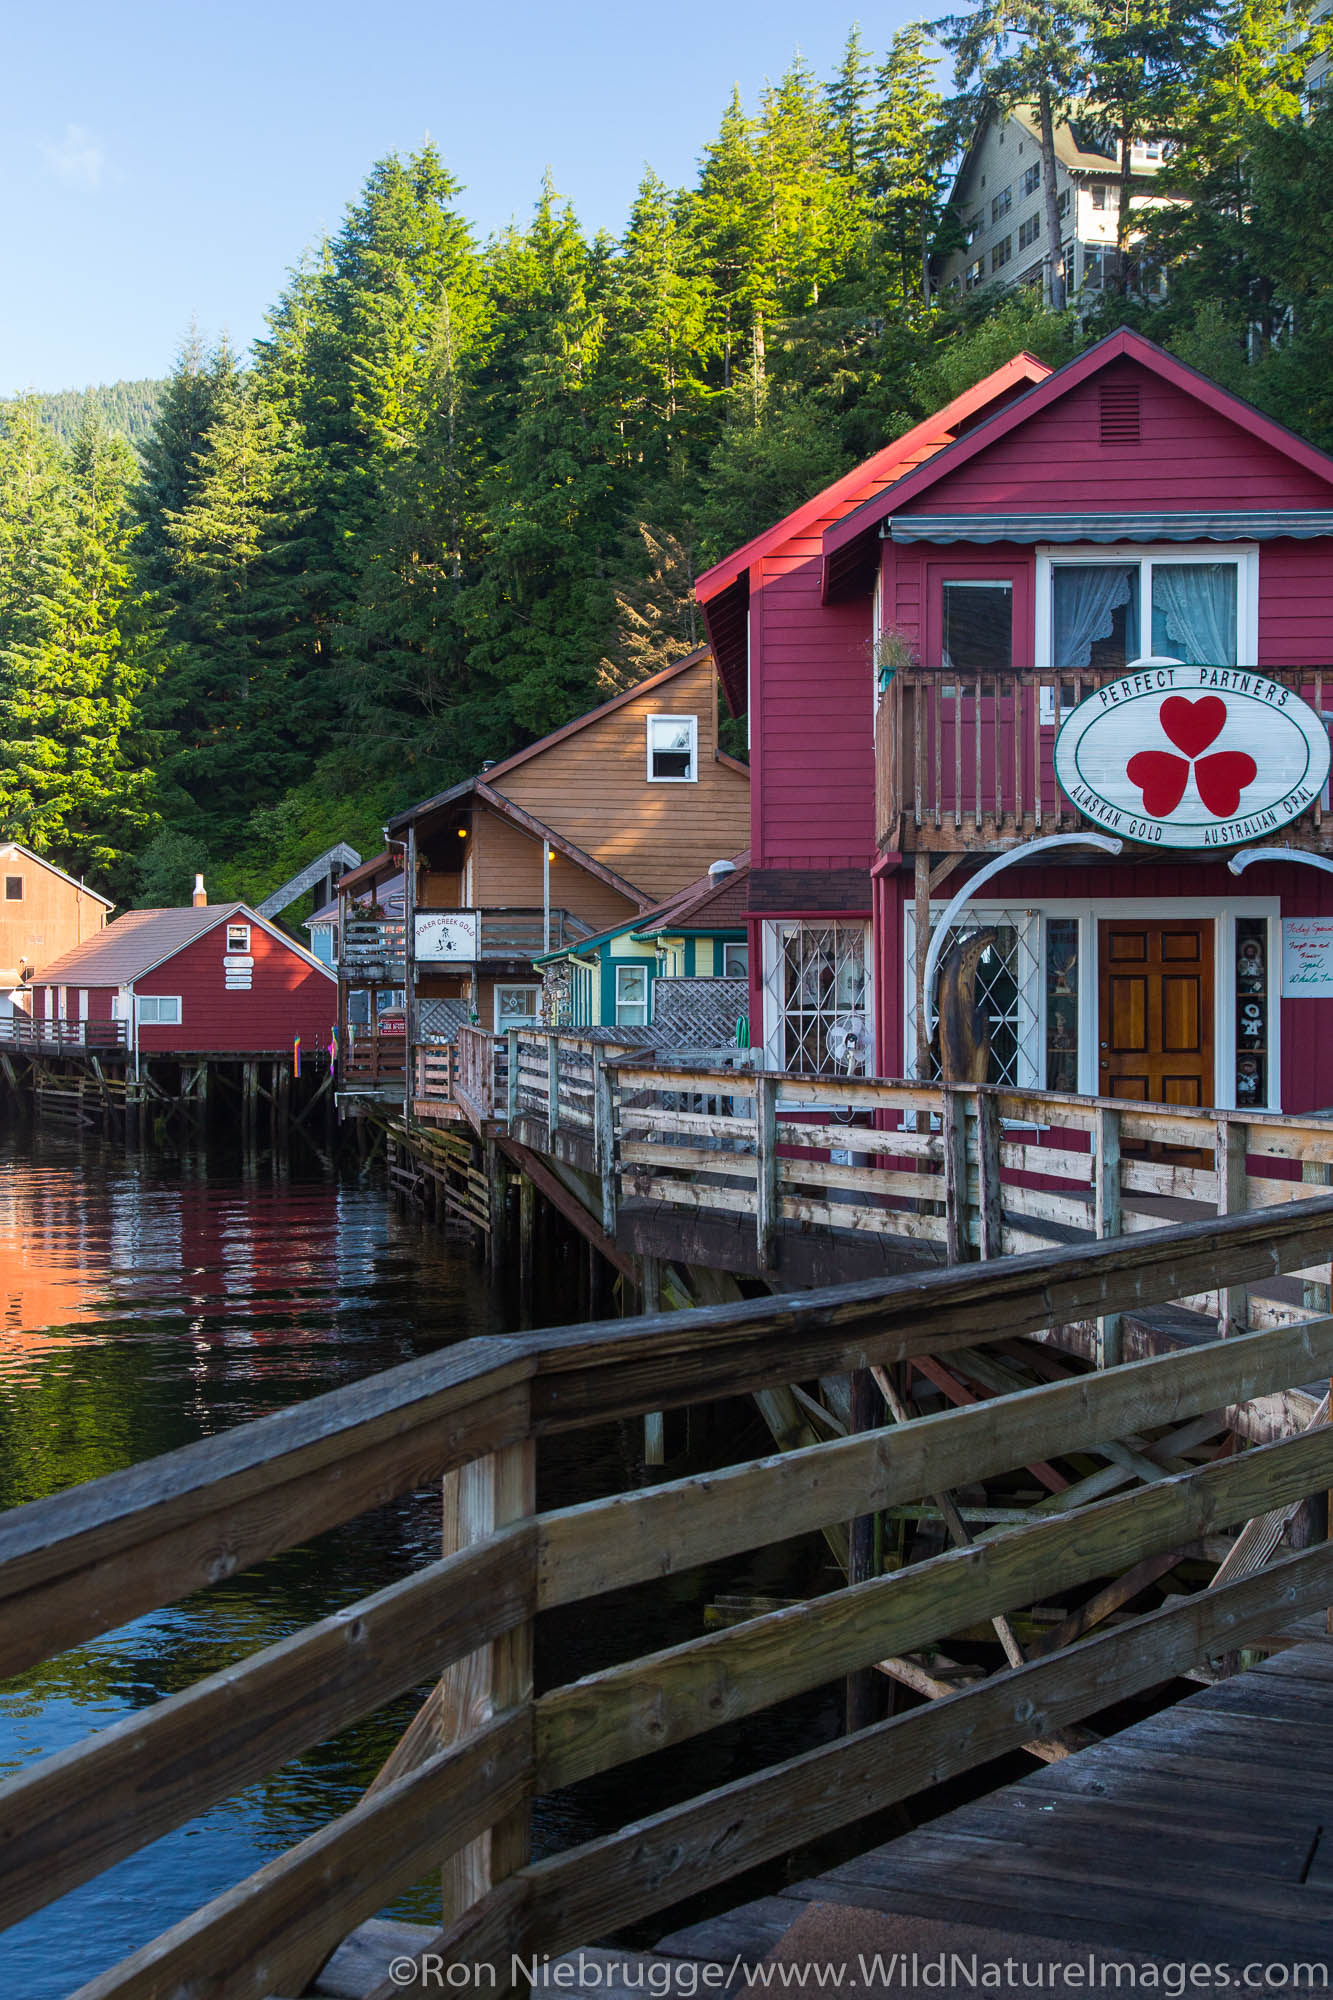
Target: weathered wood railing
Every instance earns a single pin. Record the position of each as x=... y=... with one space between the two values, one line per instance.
x=86 y=1560
x=369 y=1061
x=967 y=758
x=947 y=1171
x=21 y=1031
x=434 y=1077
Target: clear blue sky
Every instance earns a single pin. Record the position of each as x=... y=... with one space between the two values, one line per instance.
x=163 y=159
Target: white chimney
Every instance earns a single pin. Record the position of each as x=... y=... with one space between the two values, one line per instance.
x=200 y=893
x=720 y=869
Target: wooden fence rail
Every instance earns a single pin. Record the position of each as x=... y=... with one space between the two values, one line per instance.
x=942 y=1171
x=84 y=1561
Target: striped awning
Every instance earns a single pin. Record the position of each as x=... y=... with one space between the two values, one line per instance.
x=1265 y=525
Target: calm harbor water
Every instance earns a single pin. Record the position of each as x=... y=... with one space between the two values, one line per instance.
x=146 y=1302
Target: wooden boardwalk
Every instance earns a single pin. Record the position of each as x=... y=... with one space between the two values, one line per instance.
x=1203 y=1833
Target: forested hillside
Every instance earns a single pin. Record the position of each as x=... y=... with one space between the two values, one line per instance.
x=460 y=490
x=127 y=407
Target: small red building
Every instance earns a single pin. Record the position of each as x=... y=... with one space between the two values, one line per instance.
x=211 y=980
x=1055 y=664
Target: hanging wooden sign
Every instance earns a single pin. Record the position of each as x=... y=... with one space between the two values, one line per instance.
x=446 y=937
x=1179 y=756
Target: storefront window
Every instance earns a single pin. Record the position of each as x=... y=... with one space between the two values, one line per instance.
x=1251 y=1011
x=1062 y=1003
x=818 y=979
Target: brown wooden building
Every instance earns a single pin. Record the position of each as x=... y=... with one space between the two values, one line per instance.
x=578 y=833
x=43 y=913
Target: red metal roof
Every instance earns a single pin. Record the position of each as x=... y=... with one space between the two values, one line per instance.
x=724 y=590
x=842 y=539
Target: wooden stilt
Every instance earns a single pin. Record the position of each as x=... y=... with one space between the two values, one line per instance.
x=654 y=1423
x=497 y=1180
x=527 y=1227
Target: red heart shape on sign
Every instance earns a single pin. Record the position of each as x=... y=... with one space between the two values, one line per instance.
x=1193 y=725
x=1161 y=777
x=1222 y=778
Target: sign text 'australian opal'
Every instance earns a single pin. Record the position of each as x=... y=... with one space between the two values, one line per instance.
x=1181 y=756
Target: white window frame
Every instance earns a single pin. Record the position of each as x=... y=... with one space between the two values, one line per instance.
x=502 y=1024
x=728 y=946
x=20 y=896
x=691 y=722
x=241 y=930
x=158 y=1001
x=1245 y=556
x=644 y=968
x=1221 y=910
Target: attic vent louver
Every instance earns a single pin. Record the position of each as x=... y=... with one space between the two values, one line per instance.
x=1120 y=413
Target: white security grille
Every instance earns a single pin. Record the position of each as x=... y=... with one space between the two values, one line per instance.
x=815 y=978
x=1009 y=988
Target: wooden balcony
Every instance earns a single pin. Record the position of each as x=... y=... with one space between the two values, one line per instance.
x=373 y=951
x=966 y=761
x=21 y=1031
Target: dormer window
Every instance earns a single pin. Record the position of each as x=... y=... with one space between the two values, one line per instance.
x=238 y=937
x=673 y=749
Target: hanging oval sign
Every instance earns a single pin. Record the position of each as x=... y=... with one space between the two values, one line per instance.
x=1181 y=756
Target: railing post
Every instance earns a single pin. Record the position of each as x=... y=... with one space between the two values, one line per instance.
x=1232 y=1199
x=552 y=1085
x=654 y=1422
x=989 y=1197
x=1317 y=1297
x=766 y=1197
x=1108 y=1220
x=511 y=1084
x=604 y=1137
x=953 y=1122
x=479 y=1498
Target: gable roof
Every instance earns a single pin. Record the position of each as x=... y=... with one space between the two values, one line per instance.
x=141 y=940
x=707 y=905
x=845 y=542
x=701 y=905
x=17 y=847
x=724 y=590
x=480 y=791
x=492 y=772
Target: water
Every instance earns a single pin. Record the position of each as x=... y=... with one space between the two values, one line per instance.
x=147 y=1302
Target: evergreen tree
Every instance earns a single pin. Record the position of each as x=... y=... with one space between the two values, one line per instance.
x=540 y=608
x=74 y=655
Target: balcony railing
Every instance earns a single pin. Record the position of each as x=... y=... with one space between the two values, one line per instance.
x=967 y=760
x=20 y=1031
x=373 y=952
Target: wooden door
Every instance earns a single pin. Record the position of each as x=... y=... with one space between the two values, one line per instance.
x=1155 y=1019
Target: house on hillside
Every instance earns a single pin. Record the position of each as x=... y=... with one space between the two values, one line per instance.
x=690 y=952
x=1054 y=666
x=580 y=833
x=43 y=913
x=1000 y=204
x=215 y=979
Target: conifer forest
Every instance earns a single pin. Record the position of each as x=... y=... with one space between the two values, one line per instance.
x=460 y=490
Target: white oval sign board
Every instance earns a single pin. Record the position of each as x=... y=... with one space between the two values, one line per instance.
x=1192 y=756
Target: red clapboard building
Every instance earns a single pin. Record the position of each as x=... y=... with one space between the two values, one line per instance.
x=215 y=979
x=1055 y=664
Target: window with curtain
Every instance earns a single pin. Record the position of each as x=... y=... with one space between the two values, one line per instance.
x=1104 y=615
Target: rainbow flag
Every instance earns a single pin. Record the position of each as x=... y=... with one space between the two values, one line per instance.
x=333 y=1047
x=296 y=1056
